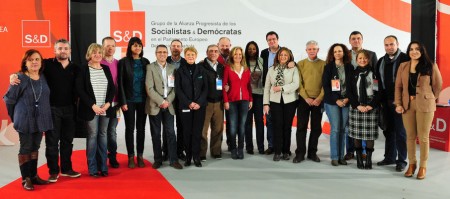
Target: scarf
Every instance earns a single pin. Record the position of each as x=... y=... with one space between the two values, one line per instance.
x=387 y=60
x=363 y=72
x=279 y=79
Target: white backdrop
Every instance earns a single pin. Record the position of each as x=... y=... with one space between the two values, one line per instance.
x=296 y=22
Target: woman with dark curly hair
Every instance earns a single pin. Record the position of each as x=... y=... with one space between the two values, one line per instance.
x=335 y=81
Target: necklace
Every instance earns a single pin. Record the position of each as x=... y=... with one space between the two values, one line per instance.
x=36 y=98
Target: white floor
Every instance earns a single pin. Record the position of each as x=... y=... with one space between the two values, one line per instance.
x=257 y=176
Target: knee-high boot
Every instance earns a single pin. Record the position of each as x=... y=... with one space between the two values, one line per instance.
x=24 y=163
x=33 y=170
x=359 y=159
x=369 y=158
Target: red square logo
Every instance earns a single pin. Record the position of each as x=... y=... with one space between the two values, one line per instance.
x=36 y=33
x=127 y=24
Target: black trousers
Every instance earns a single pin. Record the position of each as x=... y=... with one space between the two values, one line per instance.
x=29 y=142
x=303 y=113
x=192 y=123
x=282 y=116
x=59 y=141
x=135 y=117
x=257 y=112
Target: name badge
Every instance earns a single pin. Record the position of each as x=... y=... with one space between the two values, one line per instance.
x=186 y=110
x=171 y=81
x=118 y=113
x=218 y=84
x=375 y=85
x=335 y=85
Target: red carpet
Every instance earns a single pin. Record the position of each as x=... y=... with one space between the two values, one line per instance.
x=121 y=183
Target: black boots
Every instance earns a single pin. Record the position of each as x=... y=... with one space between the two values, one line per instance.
x=369 y=158
x=25 y=167
x=35 y=179
x=234 y=154
x=359 y=159
x=240 y=154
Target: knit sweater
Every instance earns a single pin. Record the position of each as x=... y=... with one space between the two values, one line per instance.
x=311 y=78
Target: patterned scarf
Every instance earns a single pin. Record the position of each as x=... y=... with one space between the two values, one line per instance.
x=280 y=75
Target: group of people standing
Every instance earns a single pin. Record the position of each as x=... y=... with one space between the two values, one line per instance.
x=245 y=86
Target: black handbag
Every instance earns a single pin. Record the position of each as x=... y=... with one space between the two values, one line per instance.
x=382 y=119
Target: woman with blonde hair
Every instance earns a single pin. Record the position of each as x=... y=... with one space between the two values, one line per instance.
x=237 y=98
x=95 y=87
x=191 y=88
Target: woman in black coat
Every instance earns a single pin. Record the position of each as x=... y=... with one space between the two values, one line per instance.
x=191 y=86
x=364 y=99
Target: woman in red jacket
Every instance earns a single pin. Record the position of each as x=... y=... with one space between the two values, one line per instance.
x=237 y=98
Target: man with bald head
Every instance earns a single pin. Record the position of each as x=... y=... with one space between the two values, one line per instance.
x=224 y=45
x=387 y=66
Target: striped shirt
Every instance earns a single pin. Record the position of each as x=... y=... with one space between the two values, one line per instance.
x=99 y=85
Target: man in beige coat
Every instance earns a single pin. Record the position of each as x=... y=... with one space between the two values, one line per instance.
x=159 y=84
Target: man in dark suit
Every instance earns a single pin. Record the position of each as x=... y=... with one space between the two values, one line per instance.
x=268 y=56
x=176 y=47
x=387 y=67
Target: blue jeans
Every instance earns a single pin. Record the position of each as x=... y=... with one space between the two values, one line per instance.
x=238 y=116
x=96 y=140
x=338 y=118
x=167 y=120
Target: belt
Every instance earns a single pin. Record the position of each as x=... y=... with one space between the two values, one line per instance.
x=412 y=97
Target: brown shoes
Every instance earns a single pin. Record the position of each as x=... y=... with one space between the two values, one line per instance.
x=27 y=184
x=140 y=161
x=411 y=170
x=176 y=165
x=156 y=165
x=421 y=174
x=131 y=162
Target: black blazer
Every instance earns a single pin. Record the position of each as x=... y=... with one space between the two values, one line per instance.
x=329 y=73
x=214 y=95
x=384 y=93
x=265 y=57
x=182 y=61
x=189 y=88
x=125 y=78
x=85 y=91
x=352 y=90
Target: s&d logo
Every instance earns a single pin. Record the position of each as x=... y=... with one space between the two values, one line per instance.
x=36 y=33
x=127 y=24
